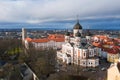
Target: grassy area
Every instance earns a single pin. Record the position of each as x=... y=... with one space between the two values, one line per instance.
x=14 y=51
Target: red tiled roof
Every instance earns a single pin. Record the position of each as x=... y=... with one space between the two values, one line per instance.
x=51 y=37
x=54 y=36
x=59 y=40
x=111 y=50
x=107 y=42
x=96 y=44
x=28 y=39
x=40 y=40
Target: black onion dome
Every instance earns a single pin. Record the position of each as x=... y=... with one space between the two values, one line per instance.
x=88 y=33
x=77 y=26
x=78 y=34
x=67 y=33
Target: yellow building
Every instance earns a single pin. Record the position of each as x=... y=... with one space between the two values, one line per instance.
x=112 y=57
x=113 y=73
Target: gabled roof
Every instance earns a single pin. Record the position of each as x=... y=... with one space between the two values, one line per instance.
x=114 y=67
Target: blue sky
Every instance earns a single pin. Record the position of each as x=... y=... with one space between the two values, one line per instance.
x=35 y=11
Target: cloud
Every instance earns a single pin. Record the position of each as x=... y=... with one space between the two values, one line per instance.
x=35 y=11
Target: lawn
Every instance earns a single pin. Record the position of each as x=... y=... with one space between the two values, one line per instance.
x=14 y=51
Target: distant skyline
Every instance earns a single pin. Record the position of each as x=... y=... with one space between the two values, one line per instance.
x=36 y=11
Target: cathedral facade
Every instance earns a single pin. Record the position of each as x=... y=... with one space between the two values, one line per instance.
x=78 y=49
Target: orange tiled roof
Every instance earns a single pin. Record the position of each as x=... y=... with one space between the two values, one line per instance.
x=106 y=43
x=96 y=44
x=51 y=37
x=54 y=36
x=28 y=39
x=59 y=40
x=40 y=40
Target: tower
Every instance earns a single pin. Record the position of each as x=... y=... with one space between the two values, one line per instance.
x=88 y=36
x=77 y=38
x=77 y=28
x=67 y=37
x=24 y=34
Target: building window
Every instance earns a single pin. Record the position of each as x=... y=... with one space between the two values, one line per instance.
x=90 y=53
x=96 y=63
x=83 y=63
x=84 y=54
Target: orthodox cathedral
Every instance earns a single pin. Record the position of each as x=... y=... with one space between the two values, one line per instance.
x=78 y=49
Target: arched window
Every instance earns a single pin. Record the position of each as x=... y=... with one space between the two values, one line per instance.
x=84 y=54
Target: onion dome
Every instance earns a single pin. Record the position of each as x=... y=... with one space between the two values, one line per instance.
x=78 y=34
x=88 y=33
x=77 y=26
x=67 y=33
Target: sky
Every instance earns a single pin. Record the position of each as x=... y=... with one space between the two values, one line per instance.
x=36 y=11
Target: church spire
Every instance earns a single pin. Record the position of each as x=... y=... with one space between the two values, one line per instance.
x=77 y=18
x=77 y=25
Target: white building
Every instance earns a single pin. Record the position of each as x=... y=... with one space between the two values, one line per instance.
x=113 y=72
x=78 y=49
x=52 y=41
